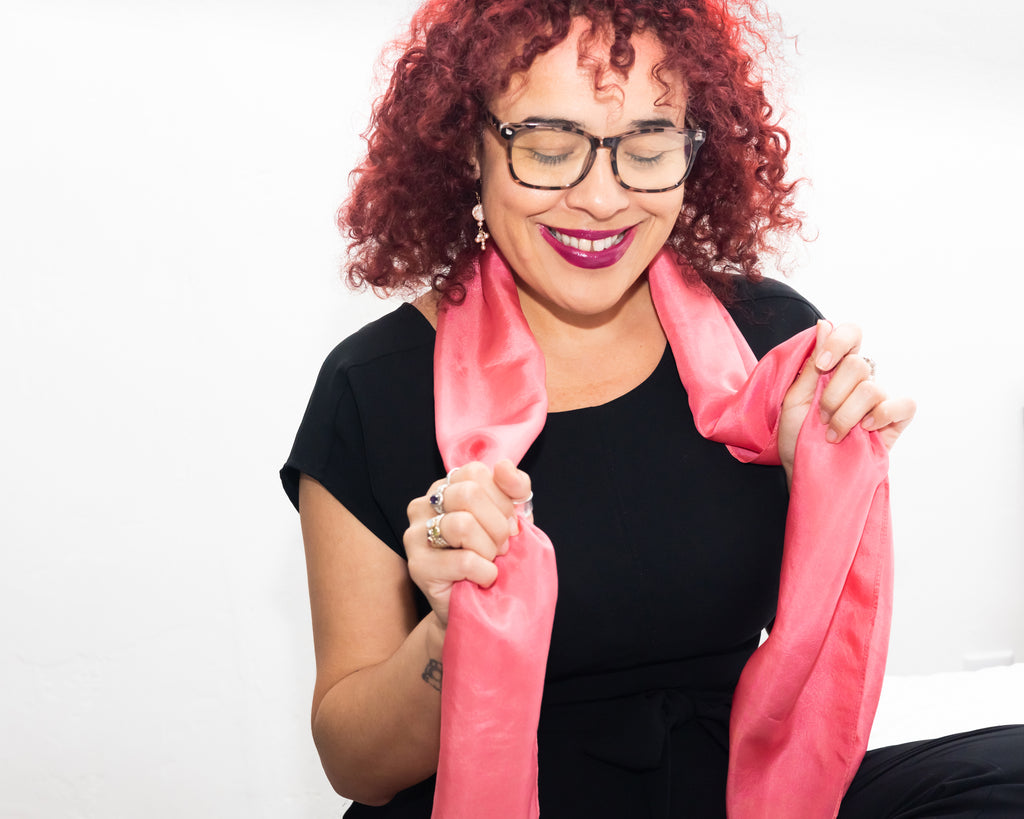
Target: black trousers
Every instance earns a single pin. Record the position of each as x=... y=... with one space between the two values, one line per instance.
x=975 y=774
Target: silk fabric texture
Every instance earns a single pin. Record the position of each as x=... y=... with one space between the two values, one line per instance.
x=803 y=707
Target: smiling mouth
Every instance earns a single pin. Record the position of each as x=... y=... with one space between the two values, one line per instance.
x=588 y=245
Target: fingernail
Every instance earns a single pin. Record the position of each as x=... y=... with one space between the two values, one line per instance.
x=513 y=525
x=824 y=360
x=824 y=416
x=831 y=436
x=868 y=423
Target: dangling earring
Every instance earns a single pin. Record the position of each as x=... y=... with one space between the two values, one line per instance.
x=481 y=235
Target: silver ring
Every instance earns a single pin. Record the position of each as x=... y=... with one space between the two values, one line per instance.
x=436 y=498
x=434 y=536
x=871 y=365
x=526 y=504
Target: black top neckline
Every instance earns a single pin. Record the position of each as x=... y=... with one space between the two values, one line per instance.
x=666 y=361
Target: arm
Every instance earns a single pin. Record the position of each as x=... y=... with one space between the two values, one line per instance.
x=375 y=720
x=376 y=703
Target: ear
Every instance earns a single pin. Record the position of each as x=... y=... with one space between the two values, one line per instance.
x=474 y=162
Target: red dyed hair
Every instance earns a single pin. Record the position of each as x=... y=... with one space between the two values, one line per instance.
x=408 y=217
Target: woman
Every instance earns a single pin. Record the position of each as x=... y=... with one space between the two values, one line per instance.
x=548 y=143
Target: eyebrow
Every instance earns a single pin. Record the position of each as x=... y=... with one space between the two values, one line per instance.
x=659 y=122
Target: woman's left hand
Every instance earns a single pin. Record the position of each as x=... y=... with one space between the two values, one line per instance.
x=851 y=397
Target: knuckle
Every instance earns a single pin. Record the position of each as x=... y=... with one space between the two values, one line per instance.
x=869 y=392
x=844 y=418
x=472 y=494
x=416 y=567
x=829 y=402
x=453 y=497
x=414 y=537
x=456 y=527
x=851 y=330
x=473 y=471
x=411 y=511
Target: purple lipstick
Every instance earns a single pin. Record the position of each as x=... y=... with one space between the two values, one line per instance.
x=589 y=249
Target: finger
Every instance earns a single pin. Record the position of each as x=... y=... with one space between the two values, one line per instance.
x=463 y=530
x=459 y=530
x=470 y=498
x=858 y=404
x=843 y=340
x=484 y=476
x=434 y=570
x=517 y=485
x=893 y=411
x=852 y=371
x=512 y=481
x=802 y=389
x=891 y=433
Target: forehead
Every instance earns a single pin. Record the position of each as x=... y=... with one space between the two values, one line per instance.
x=575 y=81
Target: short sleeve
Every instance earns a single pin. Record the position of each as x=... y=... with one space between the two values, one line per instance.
x=367 y=434
x=769 y=312
x=329 y=446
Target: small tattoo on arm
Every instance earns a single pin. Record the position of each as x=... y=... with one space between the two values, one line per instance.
x=432 y=674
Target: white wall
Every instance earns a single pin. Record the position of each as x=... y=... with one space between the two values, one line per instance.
x=908 y=118
x=169 y=173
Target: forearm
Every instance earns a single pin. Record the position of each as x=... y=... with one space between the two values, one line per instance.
x=378 y=729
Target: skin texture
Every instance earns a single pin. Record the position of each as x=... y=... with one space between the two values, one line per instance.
x=375 y=714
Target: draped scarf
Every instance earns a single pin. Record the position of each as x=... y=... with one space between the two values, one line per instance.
x=804 y=704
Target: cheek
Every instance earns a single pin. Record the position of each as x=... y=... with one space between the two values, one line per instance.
x=668 y=209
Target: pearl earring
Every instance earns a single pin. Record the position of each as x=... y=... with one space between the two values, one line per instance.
x=481 y=235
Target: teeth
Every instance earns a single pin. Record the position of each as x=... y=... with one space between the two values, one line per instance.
x=588 y=245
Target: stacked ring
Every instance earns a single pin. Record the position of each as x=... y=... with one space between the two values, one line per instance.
x=434 y=536
x=871 y=365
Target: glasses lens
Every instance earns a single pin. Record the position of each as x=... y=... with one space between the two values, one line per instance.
x=654 y=161
x=549 y=157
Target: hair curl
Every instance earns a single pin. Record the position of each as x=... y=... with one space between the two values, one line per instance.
x=407 y=217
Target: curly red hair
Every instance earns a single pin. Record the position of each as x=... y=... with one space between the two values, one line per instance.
x=408 y=216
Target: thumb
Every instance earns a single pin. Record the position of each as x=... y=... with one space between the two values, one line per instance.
x=512 y=481
x=806 y=381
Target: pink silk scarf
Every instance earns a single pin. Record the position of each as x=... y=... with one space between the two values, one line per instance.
x=803 y=707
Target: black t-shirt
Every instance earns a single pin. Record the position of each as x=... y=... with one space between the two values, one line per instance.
x=668 y=553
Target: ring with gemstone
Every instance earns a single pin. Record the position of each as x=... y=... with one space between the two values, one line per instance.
x=871 y=365
x=436 y=498
x=434 y=536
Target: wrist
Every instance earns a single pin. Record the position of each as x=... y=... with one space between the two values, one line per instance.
x=434 y=636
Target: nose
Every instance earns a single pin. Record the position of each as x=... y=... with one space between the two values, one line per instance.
x=599 y=193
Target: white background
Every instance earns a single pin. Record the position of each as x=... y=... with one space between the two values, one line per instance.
x=169 y=173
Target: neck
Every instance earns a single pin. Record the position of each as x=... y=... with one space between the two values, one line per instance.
x=593 y=359
x=559 y=331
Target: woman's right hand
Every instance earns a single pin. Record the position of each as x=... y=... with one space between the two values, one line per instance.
x=479 y=517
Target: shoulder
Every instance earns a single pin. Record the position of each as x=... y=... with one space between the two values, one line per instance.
x=769 y=295
x=374 y=374
x=401 y=340
x=371 y=406
x=401 y=332
x=768 y=312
